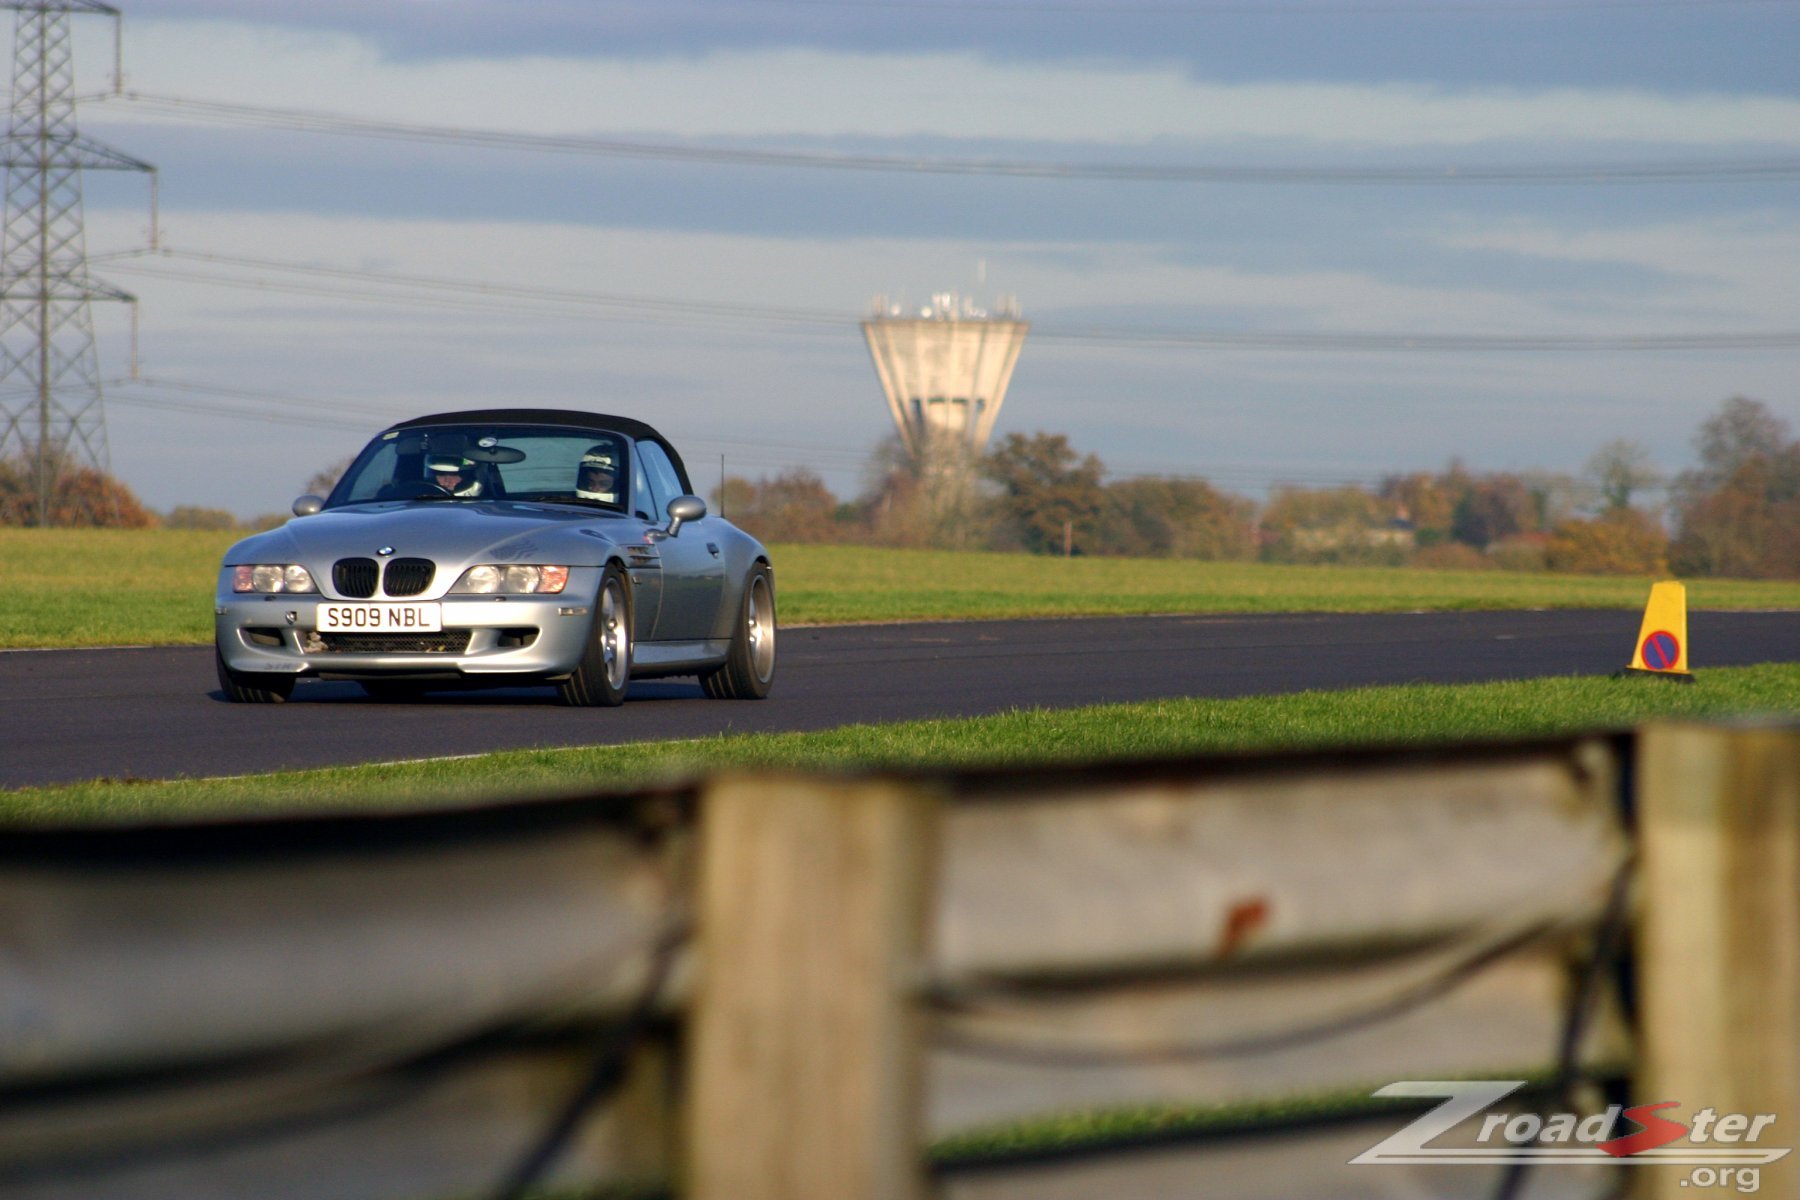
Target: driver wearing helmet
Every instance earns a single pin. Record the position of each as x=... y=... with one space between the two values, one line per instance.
x=454 y=474
x=597 y=475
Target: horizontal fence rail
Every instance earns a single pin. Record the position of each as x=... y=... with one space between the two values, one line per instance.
x=794 y=986
x=199 y=1010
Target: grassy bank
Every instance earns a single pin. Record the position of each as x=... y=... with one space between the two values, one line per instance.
x=1416 y=714
x=120 y=587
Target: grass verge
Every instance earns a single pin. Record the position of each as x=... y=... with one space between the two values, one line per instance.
x=107 y=587
x=859 y=583
x=1416 y=714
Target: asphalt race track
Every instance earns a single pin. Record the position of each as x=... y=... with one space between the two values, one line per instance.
x=67 y=715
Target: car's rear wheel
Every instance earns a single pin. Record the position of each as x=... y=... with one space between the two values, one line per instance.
x=749 y=670
x=248 y=687
x=605 y=667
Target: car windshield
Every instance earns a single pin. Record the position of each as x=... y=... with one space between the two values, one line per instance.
x=453 y=463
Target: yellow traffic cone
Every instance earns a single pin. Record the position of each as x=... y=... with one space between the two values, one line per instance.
x=1662 y=648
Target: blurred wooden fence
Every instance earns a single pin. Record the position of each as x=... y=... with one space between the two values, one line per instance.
x=790 y=987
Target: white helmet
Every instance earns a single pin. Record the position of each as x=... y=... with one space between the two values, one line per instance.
x=451 y=464
x=596 y=476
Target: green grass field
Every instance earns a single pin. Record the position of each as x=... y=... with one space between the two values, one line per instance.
x=857 y=583
x=1412 y=715
x=126 y=587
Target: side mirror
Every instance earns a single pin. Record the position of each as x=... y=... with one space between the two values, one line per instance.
x=306 y=506
x=683 y=509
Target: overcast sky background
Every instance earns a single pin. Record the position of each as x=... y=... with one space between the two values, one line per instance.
x=738 y=287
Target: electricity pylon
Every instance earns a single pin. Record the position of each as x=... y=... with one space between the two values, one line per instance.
x=50 y=403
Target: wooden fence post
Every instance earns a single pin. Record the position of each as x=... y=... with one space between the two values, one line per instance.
x=804 y=1039
x=1719 y=936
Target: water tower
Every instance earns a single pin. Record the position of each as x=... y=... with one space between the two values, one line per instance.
x=945 y=368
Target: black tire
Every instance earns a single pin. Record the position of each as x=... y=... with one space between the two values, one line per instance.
x=605 y=669
x=245 y=687
x=749 y=669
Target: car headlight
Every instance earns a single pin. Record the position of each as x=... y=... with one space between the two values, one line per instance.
x=495 y=579
x=272 y=577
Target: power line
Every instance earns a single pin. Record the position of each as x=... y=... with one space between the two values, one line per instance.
x=504 y=291
x=448 y=292
x=284 y=399
x=401 y=296
x=1476 y=342
x=362 y=419
x=294 y=409
x=218 y=410
x=1747 y=170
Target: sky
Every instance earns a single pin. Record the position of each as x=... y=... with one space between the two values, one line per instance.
x=1278 y=321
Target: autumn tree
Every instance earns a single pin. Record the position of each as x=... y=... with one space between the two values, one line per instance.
x=794 y=506
x=1555 y=497
x=1738 y=512
x=1177 y=518
x=1424 y=500
x=1619 y=470
x=1742 y=429
x=1621 y=541
x=932 y=497
x=889 y=512
x=1457 y=505
x=80 y=497
x=1491 y=509
x=1749 y=526
x=1334 y=525
x=1045 y=489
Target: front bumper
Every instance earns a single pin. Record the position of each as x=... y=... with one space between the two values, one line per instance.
x=541 y=636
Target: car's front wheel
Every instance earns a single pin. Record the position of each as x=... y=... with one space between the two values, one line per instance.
x=605 y=666
x=248 y=687
x=749 y=670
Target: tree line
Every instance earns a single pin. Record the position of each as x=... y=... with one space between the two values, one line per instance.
x=1735 y=513
x=85 y=498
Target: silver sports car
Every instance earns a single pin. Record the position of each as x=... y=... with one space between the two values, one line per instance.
x=501 y=547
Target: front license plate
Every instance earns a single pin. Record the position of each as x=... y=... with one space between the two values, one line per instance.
x=381 y=618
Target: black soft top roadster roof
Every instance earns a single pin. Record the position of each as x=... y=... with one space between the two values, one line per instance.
x=566 y=417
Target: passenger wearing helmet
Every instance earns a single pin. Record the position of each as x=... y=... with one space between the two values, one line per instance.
x=454 y=474
x=596 y=477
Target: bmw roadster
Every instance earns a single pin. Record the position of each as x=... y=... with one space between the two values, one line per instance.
x=500 y=547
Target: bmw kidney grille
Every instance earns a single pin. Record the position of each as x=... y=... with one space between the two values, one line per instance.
x=409 y=576
x=354 y=577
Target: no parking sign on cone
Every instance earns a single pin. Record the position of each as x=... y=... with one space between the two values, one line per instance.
x=1662 y=648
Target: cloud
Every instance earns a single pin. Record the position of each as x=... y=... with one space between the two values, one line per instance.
x=769 y=396
x=1732 y=271
x=792 y=92
x=1493 y=260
